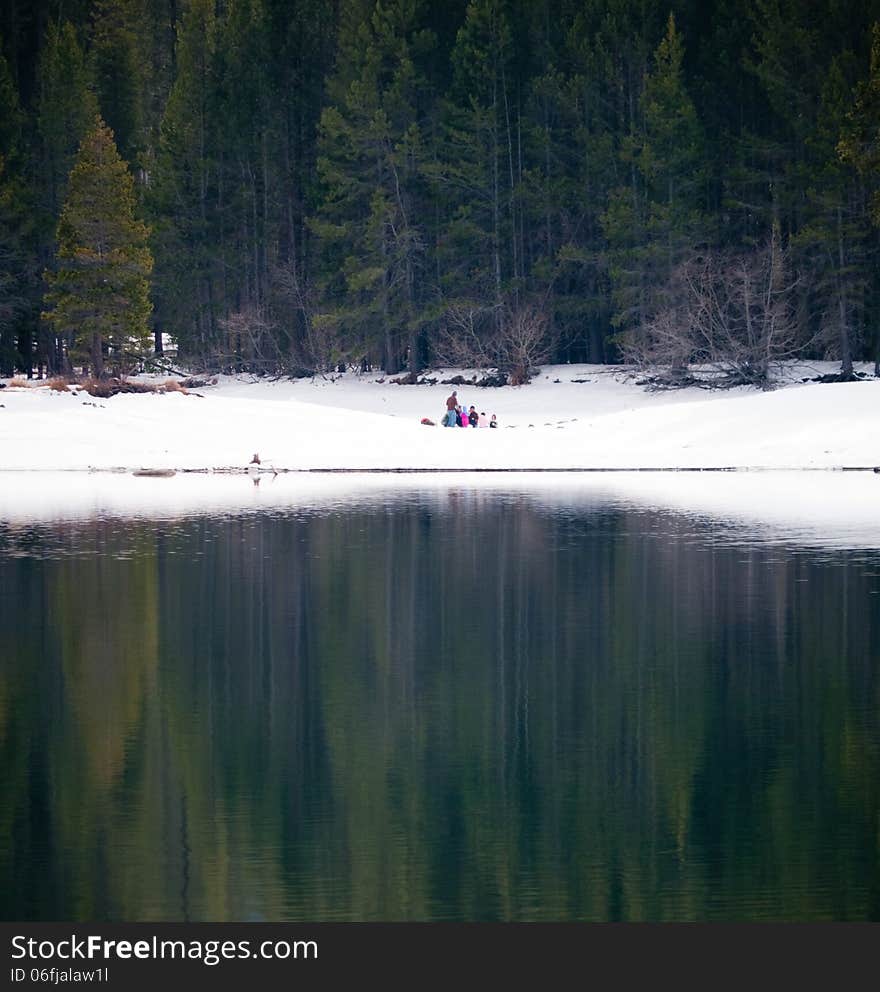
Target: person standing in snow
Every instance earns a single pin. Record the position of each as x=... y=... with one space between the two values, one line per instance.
x=451 y=404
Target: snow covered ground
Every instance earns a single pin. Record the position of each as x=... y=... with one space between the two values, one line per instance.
x=49 y=441
x=605 y=421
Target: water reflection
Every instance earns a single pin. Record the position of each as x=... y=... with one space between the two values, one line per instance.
x=454 y=705
x=819 y=509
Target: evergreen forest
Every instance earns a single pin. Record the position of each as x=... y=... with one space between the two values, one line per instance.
x=293 y=186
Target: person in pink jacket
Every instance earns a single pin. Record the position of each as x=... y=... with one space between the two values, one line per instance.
x=484 y=420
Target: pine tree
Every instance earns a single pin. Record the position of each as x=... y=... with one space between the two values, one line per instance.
x=834 y=238
x=302 y=41
x=99 y=290
x=860 y=142
x=607 y=52
x=17 y=262
x=119 y=72
x=655 y=222
x=371 y=153
x=183 y=192
x=243 y=102
x=15 y=298
x=859 y=146
x=477 y=252
x=66 y=108
x=157 y=48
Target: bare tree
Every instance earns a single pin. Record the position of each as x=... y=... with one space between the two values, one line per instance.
x=524 y=342
x=513 y=340
x=307 y=347
x=249 y=341
x=466 y=336
x=733 y=316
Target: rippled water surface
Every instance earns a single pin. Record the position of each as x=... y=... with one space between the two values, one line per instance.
x=436 y=704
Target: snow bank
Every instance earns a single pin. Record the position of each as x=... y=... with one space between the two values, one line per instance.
x=360 y=422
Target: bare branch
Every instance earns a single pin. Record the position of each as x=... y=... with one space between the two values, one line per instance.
x=732 y=315
x=513 y=340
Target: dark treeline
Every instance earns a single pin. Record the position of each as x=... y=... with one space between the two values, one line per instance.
x=396 y=183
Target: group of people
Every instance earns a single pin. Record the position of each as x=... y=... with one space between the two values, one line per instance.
x=458 y=415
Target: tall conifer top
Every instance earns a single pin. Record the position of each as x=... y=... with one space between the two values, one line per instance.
x=98 y=215
x=100 y=291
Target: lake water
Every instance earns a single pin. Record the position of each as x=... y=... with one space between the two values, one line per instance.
x=443 y=703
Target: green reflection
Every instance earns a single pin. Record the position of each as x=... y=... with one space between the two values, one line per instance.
x=475 y=709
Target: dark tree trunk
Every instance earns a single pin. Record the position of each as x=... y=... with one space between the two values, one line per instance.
x=97 y=356
x=846 y=366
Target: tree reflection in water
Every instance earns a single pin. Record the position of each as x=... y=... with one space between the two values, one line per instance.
x=466 y=708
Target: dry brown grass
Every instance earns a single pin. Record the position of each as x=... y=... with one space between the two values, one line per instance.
x=173 y=386
x=100 y=388
x=105 y=388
